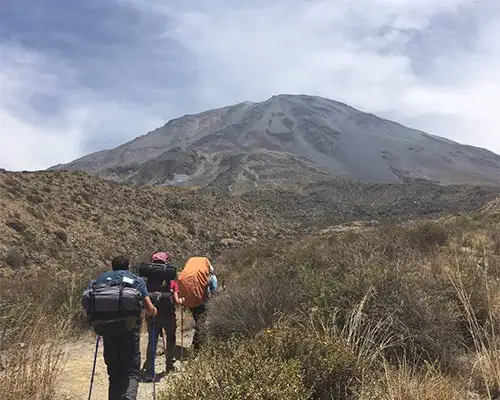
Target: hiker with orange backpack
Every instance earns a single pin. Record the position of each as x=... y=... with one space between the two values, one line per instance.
x=197 y=284
x=162 y=286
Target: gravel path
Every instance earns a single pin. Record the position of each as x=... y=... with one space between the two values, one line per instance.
x=74 y=380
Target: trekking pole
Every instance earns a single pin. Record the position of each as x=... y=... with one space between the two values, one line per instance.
x=93 y=368
x=154 y=353
x=163 y=340
x=182 y=334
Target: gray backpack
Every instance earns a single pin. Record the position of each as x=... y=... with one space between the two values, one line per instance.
x=112 y=308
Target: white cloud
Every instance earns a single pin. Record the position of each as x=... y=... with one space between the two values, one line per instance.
x=433 y=65
x=336 y=49
x=33 y=140
x=25 y=141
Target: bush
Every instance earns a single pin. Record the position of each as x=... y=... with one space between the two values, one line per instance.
x=427 y=235
x=15 y=258
x=410 y=287
x=29 y=237
x=262 y=295
x=61 y=235
x=403 y=382
x=18 y=226
x=34 y=198
x=285 y=362
x=36 y=212
x=329 y=366
x=237 y=371
x=32 y=327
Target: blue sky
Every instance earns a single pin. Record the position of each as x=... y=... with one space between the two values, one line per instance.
x=83 y=75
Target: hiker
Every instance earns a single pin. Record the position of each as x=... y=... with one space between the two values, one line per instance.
x=166 y=318
x=122 y=353
x=200 y=312
x=198 y=283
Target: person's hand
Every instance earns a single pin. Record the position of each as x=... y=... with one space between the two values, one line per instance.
x=155 y=312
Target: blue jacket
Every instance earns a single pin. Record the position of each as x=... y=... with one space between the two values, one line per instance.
x=125 y=276
x=212 y=285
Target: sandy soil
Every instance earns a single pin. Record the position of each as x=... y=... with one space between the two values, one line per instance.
x=74 y=381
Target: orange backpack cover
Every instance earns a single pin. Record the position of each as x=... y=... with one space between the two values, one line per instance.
x=193 y=280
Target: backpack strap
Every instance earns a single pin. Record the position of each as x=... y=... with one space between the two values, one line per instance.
x=120 y=299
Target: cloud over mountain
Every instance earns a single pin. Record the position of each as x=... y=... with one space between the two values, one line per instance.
x=80 y=76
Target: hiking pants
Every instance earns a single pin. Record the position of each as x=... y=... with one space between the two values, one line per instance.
x=122 y=355
x=200 y=318
x=169 y=323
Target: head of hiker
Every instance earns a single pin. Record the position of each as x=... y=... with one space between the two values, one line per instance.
x=161 y=257
x=120 y=263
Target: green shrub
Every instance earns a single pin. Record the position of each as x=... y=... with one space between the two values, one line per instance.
x=288 y=361
x=262 y=295
x=410 y=287
x=329 y=366
x=61 y=235
x=237 y=371
x=15 y=258
x=427 y=235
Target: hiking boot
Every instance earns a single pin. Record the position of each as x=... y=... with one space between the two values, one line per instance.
x=169 y=368
x=146 y=376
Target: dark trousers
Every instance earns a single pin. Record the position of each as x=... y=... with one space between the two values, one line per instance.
x=200 y=318
x=122 y=355
x=169 y=323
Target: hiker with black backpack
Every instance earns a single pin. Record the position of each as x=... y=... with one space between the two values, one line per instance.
x=114 y=303
x=162 y=286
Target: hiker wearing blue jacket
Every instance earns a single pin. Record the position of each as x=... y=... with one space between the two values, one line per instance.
x=122 y=353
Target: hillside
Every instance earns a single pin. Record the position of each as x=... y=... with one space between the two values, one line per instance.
x=66 y=219
x=323 y=203
x=284 y=141
x=74 y=220
x=318 y=314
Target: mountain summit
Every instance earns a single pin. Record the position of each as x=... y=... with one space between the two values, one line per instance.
x=286 y=140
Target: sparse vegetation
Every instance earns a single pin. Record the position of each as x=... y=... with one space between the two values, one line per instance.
x=384 y=313
x=14 y=258
x=61 y=235
x=374 y=311
x=18 y=226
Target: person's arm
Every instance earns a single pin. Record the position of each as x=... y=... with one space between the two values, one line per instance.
x=174 y=287
x=147 y=303
x=149 y=307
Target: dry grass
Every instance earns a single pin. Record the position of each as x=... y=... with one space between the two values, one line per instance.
x=401 y=307
x=388 y=312
x=402 y=382
x=31 y=356
x=39 y=311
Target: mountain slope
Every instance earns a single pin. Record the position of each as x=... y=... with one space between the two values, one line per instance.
x=75 y=220
x=288 y=139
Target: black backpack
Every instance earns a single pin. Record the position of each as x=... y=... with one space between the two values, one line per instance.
x=158 y=271
x=163 y=301
x=112 y=307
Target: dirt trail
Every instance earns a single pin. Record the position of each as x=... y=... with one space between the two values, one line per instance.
x=74 y=381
